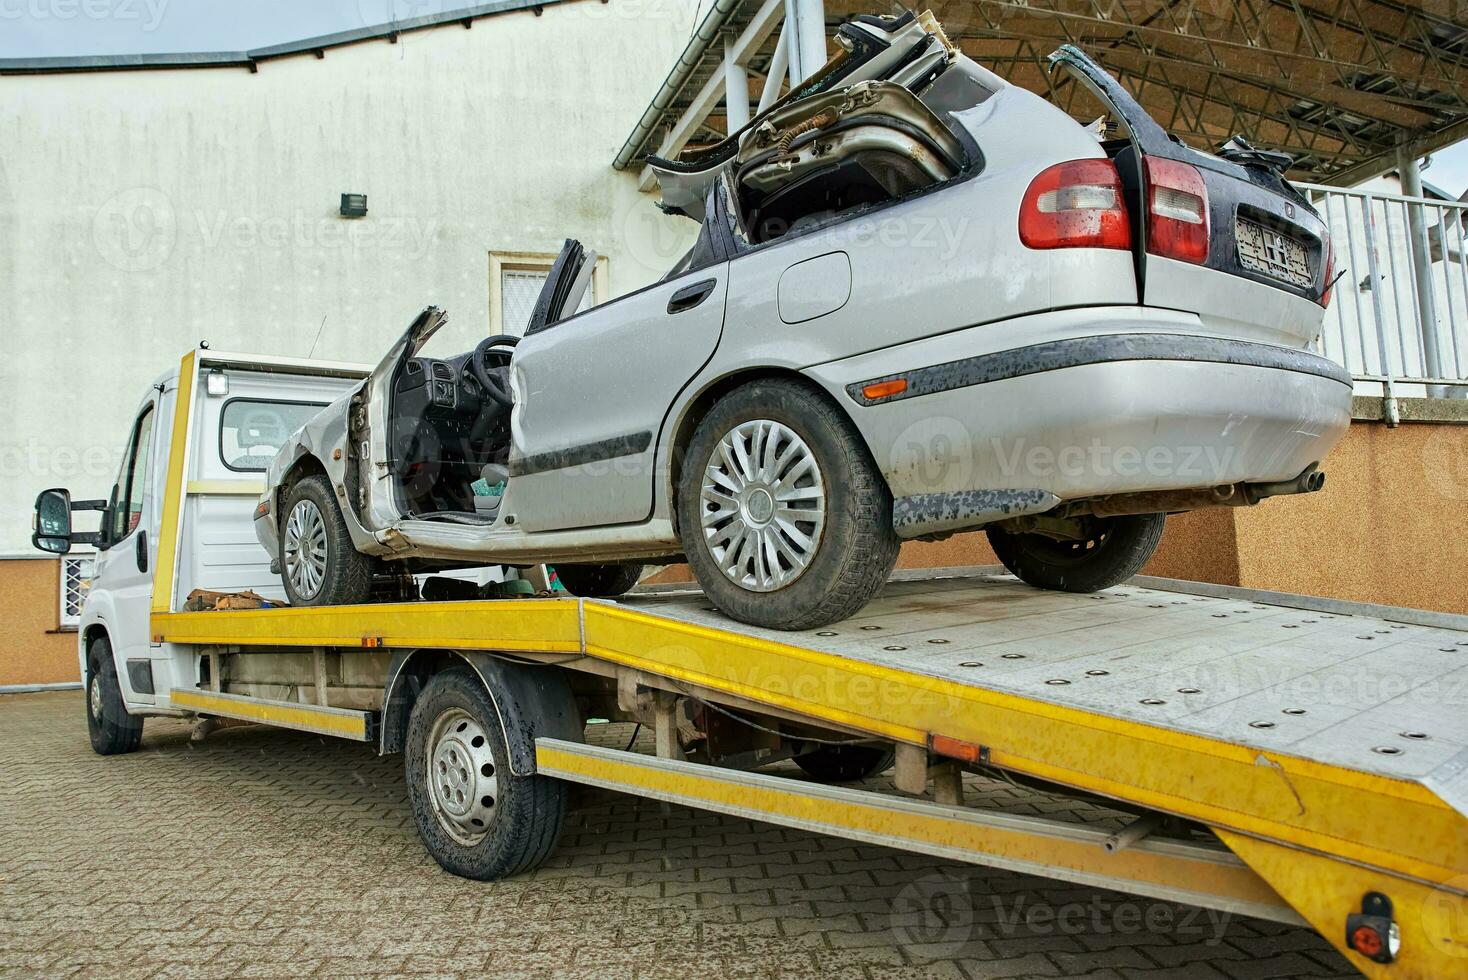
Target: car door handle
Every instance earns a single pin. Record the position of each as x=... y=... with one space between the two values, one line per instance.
x=142 y=550
x=690 y=296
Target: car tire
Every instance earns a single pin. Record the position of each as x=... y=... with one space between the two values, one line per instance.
x=847 y=553
x=318 y=562
x=454 y=730
x=845 y=763
x=1115 y=551
x=112 y=730
x=598 y=581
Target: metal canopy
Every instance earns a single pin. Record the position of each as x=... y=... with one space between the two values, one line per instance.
x=1339 y=85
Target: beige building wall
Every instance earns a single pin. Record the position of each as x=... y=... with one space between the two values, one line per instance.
x=32 y=649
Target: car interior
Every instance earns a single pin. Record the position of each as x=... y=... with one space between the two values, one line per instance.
x=450 y=428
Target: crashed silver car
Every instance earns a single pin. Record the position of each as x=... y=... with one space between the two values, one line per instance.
x=921 y=301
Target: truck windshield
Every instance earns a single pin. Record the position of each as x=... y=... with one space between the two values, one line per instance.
x=252 y=430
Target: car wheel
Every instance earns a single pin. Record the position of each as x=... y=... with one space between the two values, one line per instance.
x=318 y=562
x=598 y=581
x=784 y=518
x=845 y=763
x=113 y=731
x=476 y=818
x=1114 y=549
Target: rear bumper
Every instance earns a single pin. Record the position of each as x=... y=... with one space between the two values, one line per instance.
x=1082 y=416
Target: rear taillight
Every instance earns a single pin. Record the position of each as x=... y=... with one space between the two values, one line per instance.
x=1329 y=272
x=1075 y=205
x=1177 y=211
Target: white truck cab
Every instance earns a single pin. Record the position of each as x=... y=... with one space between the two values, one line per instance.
x=244 y=407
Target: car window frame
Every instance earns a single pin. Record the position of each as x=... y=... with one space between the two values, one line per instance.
x=257 y=400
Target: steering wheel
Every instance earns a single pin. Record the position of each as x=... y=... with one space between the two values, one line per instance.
x=479 y=365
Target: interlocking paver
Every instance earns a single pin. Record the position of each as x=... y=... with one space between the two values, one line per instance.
x=267 y=853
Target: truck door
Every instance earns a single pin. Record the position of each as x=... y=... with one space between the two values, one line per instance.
x=124 y=569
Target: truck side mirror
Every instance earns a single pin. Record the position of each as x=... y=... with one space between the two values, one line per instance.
x=53 y=521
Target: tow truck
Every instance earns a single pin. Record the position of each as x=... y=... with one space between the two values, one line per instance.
x=1297 y=759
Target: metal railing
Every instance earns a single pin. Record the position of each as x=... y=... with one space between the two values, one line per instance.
x=1399 y=312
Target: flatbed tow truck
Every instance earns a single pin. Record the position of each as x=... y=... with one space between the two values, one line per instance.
x=1296 y=759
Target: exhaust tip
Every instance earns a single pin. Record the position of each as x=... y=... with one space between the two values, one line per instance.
x=1315 y=481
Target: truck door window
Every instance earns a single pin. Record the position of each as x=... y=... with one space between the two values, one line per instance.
x=136 y=478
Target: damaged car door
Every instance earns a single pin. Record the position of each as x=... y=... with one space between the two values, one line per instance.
x=592 y=391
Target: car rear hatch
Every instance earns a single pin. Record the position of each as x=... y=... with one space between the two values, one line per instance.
x=1231 y=241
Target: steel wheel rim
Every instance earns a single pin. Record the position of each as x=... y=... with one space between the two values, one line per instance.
x=305 y=548
x=462 y=782
x=762 y=505
x=94 y=697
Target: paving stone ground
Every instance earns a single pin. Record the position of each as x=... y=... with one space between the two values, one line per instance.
x=268 y=853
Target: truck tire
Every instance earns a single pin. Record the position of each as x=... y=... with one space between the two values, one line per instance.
x=113 y=731
x=598 y=581
x=784 y=518
x=845 y=763
x=318 y=562
x=1116 y=550
x=476 y=818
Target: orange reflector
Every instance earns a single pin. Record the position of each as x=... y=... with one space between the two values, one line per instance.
x=262 y=509
x=958 y=749
x=1366 y=941
x=371 y=642
x=885 y=389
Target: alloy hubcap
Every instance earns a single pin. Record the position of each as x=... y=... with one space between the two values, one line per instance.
x=305 y=549
x=764 y=505
x=94 y=696
x=461 y=776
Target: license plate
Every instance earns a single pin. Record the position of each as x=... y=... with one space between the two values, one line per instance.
x=1273 y=254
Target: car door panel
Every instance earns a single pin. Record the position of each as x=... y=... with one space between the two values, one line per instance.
x=591 y=394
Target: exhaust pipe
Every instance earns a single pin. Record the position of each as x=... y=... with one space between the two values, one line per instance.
x=1310 y=480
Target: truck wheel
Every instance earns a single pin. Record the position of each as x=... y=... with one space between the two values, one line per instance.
x=476 y=818
x=318 y=562
x=785 y=520
x=845 y=763
x=1114 y=550
x=113 y=731
x=598 y=581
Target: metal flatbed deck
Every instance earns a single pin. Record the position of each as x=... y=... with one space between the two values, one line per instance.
x=1325 y=744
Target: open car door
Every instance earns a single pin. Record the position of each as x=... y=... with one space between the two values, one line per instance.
x=379 y=442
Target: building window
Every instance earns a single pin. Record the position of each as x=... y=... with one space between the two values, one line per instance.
x=76 y=579
x=515 y=280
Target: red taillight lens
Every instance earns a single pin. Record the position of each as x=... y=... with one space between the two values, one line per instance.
x=1329 y=272
x=1177 y=211
x=1075 y=205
